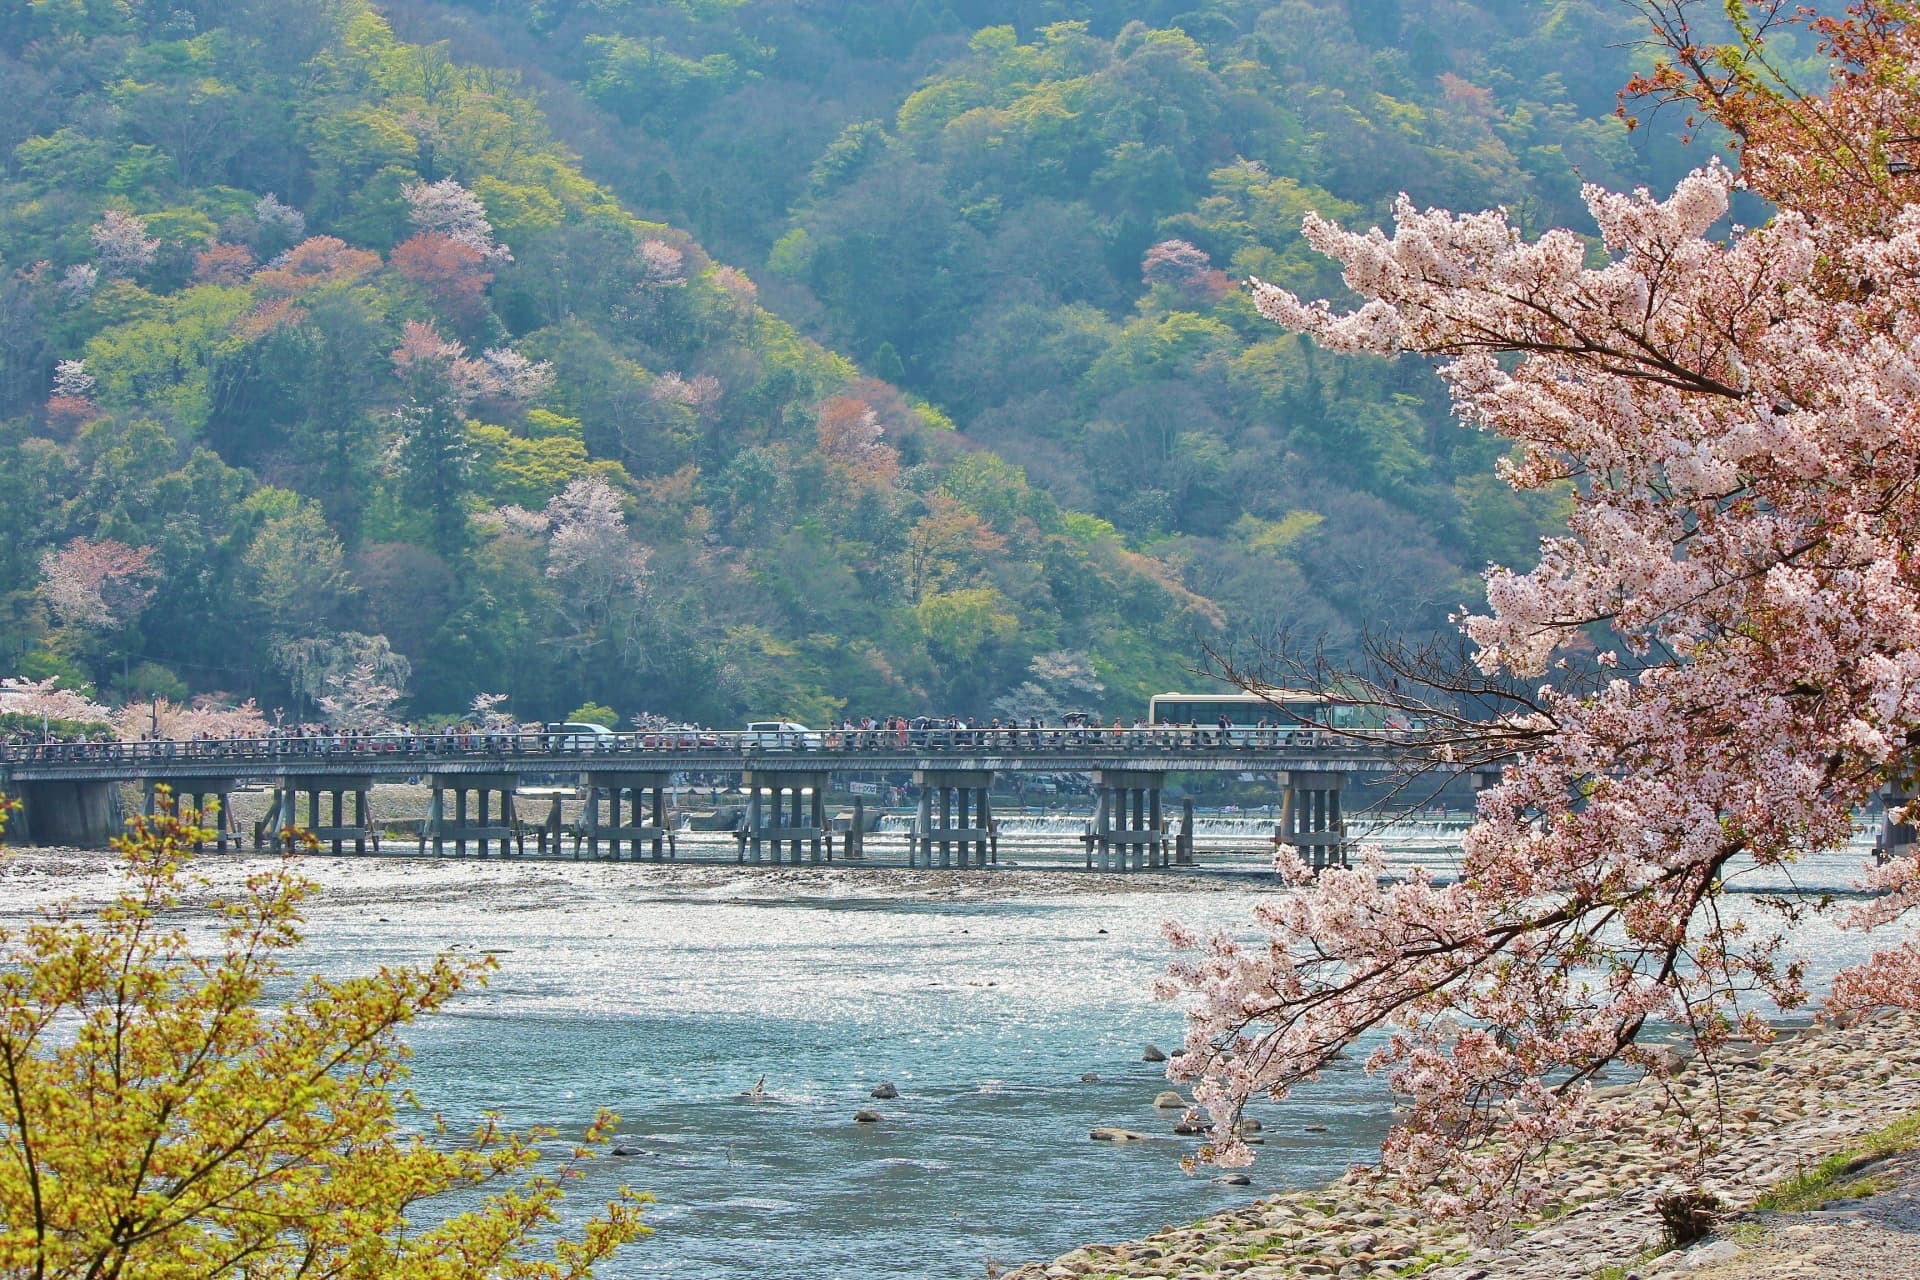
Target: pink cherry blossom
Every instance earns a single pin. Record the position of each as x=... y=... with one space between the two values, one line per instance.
x=1739 y=411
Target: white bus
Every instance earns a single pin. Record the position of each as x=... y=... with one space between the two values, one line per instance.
x=1282 y=712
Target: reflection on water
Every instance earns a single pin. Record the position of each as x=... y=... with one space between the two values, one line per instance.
x=984 y=1015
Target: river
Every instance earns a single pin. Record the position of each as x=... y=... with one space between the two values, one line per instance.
x=984 y=997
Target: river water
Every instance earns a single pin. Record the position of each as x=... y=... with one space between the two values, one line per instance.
x=670 y=1006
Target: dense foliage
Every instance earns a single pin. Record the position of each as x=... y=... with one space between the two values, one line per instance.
x=319 y=336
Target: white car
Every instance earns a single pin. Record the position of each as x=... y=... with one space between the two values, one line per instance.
x=780 y=735
x=578 y=735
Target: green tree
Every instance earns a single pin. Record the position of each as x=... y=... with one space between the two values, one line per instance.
x=228 y=1131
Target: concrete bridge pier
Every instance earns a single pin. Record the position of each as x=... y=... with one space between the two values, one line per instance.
x=479 y=824
x=1128 y=834
x=646 y=824
x=193 y=793
x=1310 y=818
x=1183 y=845
x=954 y=812
x=785 y=806
x=85 y=815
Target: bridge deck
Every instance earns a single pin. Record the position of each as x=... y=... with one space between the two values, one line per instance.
x=1161 y=750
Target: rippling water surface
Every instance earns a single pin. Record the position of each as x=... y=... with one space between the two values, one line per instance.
x=984 y=1014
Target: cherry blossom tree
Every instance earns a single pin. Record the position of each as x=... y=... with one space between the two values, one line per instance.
x=662 y=265
x=591 y=556
x=1186 y=268
x=276 y=225
x=359 y=700
x=1737 y=408
x=23 y=697
x=121 y=245
x=446 y=208
x=79 y=282
x=97 y=585
x=850 y=433
x=71 y=403
x=485 y=711
x=206 y=716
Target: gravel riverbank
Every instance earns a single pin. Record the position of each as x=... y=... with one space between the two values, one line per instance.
x=1786 y=1107
x=31 y=878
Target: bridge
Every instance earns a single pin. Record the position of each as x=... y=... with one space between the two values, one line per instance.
x=70 y=791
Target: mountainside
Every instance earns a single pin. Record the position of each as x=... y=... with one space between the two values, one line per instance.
x=319 y=353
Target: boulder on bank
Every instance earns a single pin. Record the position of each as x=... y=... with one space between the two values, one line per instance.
x=885 y=1091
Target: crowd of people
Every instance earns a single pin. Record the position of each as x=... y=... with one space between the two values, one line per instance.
x=650 y=733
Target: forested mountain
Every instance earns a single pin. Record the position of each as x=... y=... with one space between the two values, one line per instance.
x=775 y=358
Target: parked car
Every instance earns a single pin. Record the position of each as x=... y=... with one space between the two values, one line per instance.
x=578 y=735
x=780 y=735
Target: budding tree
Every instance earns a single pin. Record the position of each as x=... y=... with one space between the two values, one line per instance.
x=1738 y=407
x=179 y=1106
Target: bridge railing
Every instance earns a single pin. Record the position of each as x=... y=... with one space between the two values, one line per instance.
x=657 y=744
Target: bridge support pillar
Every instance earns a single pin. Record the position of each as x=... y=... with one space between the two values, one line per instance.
x=1310 y=818
x=646 y=825
x=83 y=814
x=1128 y=834
x=326 y=810
x=955 y=813
x=1183 y=847
x=773 y=819
x=197 y=795
x=475 y=824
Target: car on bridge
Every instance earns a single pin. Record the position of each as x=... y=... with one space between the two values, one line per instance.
x=579 y=735
x=781 y=735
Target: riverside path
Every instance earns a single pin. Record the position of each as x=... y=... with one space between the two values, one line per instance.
x=70 y=791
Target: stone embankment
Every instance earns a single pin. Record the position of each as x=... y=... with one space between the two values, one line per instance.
x=1784 y=1107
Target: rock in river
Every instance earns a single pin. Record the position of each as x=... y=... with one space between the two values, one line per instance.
x=1153 y=1053
x=885 y=1091
x=864 y=1116
x=1113 y=1133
